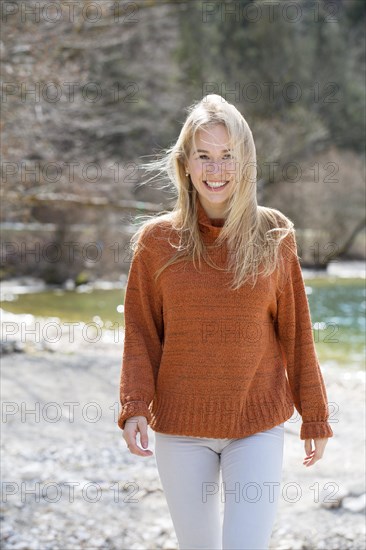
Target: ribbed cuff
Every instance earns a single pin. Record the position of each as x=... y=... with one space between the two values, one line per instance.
x=133 y=408
x=315 y=430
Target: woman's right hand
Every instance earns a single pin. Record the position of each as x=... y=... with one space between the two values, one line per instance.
x=133 y=425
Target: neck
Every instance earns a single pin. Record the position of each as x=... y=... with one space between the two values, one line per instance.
x=213 y=211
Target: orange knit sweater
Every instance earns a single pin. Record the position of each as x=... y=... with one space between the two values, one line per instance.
x=200 y=359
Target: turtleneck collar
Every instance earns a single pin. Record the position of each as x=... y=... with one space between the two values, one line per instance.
x=208 y=225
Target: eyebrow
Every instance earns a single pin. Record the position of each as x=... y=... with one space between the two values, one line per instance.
x=204 y=151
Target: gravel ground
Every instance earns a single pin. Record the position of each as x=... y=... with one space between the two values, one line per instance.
x=69 y=481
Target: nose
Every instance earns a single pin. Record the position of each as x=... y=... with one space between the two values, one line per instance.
x=214 y=171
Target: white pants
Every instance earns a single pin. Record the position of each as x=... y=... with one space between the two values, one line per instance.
x=249 y=486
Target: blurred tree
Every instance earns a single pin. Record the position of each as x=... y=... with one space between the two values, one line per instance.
x=149 y=65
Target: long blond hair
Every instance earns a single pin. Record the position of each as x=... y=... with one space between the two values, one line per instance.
x=252 y=232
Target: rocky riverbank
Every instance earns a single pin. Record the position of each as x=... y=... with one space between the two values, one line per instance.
x=69 y=481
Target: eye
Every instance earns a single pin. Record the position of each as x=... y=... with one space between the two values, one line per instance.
x=228 y=155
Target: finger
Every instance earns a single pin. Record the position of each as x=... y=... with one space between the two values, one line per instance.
x=309 y=456
x=312 y=460
x=135 y=449
x=308 y=449
x=144 y=439
x=320 y=447
x=311 y=463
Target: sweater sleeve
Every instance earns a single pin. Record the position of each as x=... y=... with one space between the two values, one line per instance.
x=143 y=341
x=296 y=339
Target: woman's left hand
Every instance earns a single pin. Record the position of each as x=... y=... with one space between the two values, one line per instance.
x=313 y=456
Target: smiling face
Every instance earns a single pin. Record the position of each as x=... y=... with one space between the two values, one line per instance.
x=212 y=168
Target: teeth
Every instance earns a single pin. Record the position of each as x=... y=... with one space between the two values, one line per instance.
x=219 y=184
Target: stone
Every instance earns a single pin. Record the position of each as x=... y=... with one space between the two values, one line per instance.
x=355 y=504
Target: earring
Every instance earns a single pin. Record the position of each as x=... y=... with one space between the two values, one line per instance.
x=187 y=173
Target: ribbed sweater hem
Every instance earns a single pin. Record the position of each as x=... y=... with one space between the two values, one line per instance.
x=217 y=417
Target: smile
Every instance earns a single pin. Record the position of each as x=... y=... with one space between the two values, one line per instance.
x=213 y=186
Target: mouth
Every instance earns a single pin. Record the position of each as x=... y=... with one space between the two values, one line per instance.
x=215 y=186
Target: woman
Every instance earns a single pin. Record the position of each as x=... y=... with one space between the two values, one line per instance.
x=217 y=354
